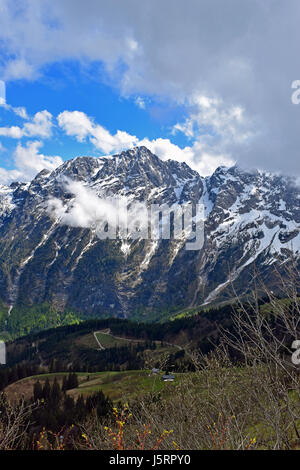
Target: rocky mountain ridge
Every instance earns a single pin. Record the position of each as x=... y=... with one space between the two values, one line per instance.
x=250 y=218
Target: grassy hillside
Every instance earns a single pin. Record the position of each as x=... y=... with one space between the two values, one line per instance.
x=76 y=344
x=25 y=320
x=119 y=386
x=244 y=396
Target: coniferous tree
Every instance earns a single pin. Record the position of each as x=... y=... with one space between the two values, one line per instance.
x=37 y=391
x=80 y=408
x=55 y=394
x=46 y=389
x=72 y=381
x=65 y=384
x=69 y=403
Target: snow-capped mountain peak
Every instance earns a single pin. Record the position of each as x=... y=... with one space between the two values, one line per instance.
x=250 y=218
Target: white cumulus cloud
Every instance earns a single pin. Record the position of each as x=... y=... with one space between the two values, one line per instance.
x=38 y=126
x=201 y=156
x=82 y=127
x=242 y=52
x=28 y=161
x=87 y=210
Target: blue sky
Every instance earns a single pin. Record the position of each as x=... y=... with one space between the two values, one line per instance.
x=65 y=87
x=206 y=82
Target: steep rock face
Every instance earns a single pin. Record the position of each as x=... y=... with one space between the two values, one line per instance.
x=249 y=218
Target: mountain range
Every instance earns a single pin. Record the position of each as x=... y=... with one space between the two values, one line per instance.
x=252 y=220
